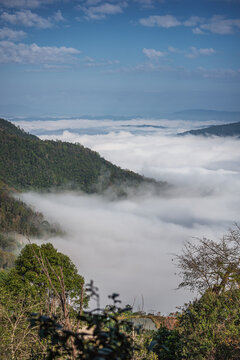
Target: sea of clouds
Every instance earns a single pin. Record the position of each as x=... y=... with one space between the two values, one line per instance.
x=127 y=245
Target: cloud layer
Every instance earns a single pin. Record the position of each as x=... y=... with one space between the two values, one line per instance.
x=127 y=245
x=33 y=54
x=217 y=24
x=29 y=4
x=29 y=19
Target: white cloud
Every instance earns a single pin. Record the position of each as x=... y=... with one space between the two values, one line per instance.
x=175 y=153
x=165 y=21
x=29 y=19
x=26 y=18
x=9 y=34
x=68 y=128
x=193 y=21
x=149 y=3
x=219 y=24
x=25 y=4
x=57 y=17
x=122 y=3
x=92 y=2
x=131 y=240
x=145 y=3
x=101 y=11
x=152 y=53
x=197 y=31
x=34 y=54
x=199 y=52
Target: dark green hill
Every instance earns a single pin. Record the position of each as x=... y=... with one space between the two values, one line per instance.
x=16 y=221
x=7 y=128
x=217 y=130
x=28 y=163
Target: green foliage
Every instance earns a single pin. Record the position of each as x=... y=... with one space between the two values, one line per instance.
x=28 y=163
x=7 y=259
x=109 y=338
x=16 y=305
x=210 y=327
x=41 y=280
x=18 y=217
x=167 y=344
x=142 y=342
x=8 y=128
x=35 y=263
x=8 y=243
x=9 y=247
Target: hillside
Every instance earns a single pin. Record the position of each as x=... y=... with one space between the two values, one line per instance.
x=7 y=128
x=217 y=130
x=17 y=220
x=28 y=163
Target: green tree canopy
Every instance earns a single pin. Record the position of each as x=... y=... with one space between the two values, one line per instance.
x=44 y=268
x=43 y=281
x=210 y=327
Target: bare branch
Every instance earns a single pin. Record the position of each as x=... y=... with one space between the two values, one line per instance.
x=209 y=264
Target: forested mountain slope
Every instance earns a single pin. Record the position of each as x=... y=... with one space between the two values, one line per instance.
x=17 y=220
x=7 y=128
x=217 y=130
x=27 y=162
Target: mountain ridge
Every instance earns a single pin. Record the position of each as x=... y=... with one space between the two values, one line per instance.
x=29 y=163
x=223 y=130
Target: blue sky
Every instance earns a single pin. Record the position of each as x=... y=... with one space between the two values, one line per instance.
x=139 y=57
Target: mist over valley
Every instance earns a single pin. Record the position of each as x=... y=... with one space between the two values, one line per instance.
x=126 y=245
x=119 y=179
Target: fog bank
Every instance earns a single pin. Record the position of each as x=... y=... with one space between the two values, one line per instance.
x=126 y=245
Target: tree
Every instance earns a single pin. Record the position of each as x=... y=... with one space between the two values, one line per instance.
x=51 y=275
x=43 y=280
x=209 y=327
x=213 y=265
x=18 y=341
x=167 y=344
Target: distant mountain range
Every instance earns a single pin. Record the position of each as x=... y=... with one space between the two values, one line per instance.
x=205 y=115
x=232 y=129
x=190 y=114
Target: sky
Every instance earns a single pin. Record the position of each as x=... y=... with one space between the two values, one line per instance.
x=118 y=57
x=127 y=245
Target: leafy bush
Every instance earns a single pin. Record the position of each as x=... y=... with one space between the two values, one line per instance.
x=167 y=344
x=210 y=327
x=109 y=336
